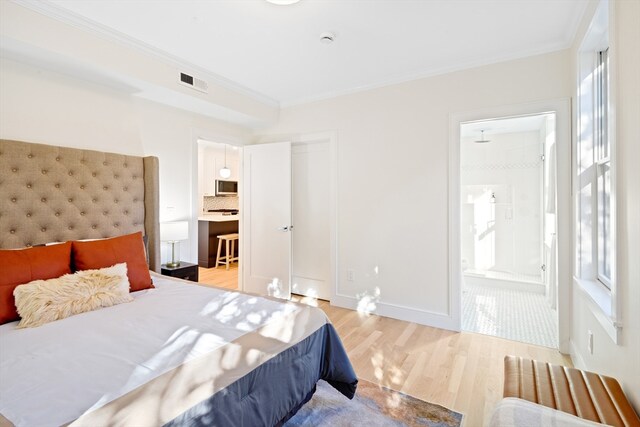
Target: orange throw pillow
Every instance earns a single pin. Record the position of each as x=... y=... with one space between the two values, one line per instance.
x=25 y=265
x=103 y=253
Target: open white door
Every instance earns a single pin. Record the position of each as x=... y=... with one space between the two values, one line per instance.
x=266 y=211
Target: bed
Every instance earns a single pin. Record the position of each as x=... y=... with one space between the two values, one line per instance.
x=178 y=354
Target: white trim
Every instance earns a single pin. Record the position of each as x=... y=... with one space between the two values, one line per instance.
x=604 y=304
x=408 y=314
x=562 y=108
x=613 y=167
x=75 y=20
x=454 y=222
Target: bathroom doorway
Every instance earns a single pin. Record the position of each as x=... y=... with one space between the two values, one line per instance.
x=507 y=228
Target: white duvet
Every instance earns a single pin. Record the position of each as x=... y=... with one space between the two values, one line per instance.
x=52 y=374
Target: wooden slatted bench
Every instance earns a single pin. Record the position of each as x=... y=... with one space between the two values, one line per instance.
x=584 y=394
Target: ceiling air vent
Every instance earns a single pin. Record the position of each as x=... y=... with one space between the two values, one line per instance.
x=194 y=83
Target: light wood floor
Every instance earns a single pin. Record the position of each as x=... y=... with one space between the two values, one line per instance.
x=220 y=276
x=460 y=370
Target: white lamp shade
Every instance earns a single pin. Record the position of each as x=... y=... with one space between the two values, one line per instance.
x=225 y=172
x=174 y=231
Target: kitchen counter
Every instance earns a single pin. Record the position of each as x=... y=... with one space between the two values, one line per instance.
x=218 y=217
x=210 y=226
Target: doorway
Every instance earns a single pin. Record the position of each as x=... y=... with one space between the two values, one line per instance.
x=218 y=213
x=289 y=217
x=507 y=228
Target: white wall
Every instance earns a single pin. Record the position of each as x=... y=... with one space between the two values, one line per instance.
x=41 y=106
x=37 y=105
x=75 y=47
x=619 y=360
x=392 y=176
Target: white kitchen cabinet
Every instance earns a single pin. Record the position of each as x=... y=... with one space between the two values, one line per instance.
x=209 y=173
x=210 y=160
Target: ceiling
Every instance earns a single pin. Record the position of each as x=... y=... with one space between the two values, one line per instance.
x=276 y=51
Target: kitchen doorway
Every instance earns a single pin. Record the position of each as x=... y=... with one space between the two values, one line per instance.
x=507 y=228
x=218 y=213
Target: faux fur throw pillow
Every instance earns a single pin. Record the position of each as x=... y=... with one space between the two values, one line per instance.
x=43 y=301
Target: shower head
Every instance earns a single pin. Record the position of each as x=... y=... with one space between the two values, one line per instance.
x=482 y=140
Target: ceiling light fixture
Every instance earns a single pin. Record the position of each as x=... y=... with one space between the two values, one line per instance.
x=283 y=2
x=225 y=172
x=482 y=140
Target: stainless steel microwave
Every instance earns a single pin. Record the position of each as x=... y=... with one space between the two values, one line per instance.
x=226 y=188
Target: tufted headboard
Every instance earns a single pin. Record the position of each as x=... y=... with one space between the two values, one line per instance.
x=50 y=194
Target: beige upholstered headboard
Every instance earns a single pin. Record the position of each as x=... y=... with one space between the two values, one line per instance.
x=50 y=194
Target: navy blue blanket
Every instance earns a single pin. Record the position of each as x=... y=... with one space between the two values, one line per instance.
x=274 y=391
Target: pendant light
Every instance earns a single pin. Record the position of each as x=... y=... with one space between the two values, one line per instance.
x=225 y=172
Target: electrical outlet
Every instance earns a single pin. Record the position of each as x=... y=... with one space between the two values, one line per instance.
x=590 y=342
x=351 y=275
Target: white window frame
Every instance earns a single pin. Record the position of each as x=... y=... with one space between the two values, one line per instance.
x=595 y=129
x=602 y=162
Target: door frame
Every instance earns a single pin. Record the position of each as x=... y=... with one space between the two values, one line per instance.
x=564 y=230
x=332 y=138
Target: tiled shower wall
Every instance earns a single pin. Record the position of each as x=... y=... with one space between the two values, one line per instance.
x=212 y=202
x=503 y=232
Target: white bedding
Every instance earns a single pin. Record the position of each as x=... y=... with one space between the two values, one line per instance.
x=48 y=376
x=513 y=412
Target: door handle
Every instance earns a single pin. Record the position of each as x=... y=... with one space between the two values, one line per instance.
x=283 y=229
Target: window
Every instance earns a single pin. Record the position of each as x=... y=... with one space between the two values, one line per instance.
x=595 y=171
x=602 y=163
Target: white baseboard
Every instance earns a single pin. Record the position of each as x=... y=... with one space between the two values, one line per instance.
x=408 y=314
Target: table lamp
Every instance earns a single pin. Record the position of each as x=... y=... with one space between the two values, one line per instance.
x=173 y=232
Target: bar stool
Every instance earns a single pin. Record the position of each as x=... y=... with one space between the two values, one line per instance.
x=229 y=254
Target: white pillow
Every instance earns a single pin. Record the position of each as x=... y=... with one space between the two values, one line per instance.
x=43 y=301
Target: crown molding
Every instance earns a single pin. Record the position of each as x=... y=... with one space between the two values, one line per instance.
x=77 y=21
x=70 y=18
x=409 y=77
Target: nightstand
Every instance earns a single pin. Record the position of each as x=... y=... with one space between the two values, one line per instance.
x=185 y=270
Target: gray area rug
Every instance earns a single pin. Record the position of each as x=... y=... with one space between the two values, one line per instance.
x=372 y=406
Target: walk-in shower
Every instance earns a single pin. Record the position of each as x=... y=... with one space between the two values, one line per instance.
x=503 y=187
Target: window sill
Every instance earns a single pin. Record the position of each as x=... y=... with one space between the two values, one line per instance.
x=600 y=301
